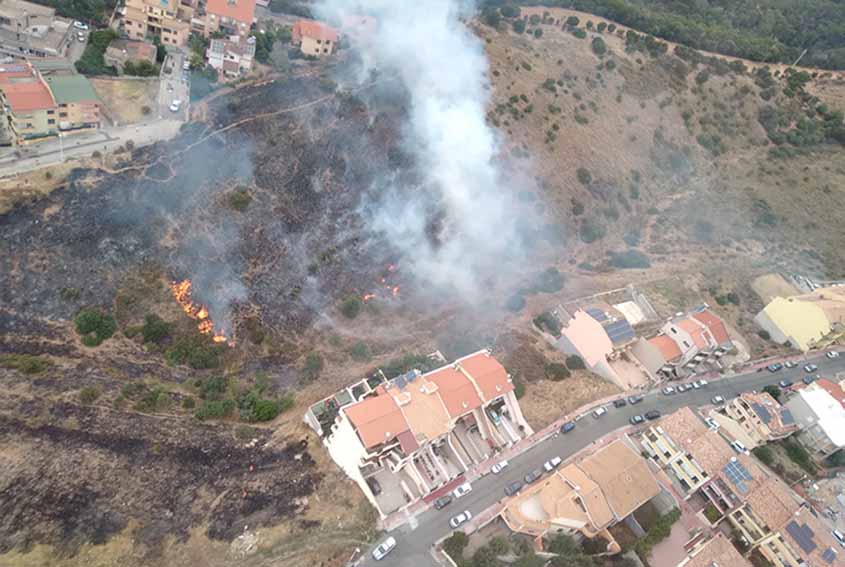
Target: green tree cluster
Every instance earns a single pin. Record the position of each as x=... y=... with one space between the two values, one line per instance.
x=92 y=61
x=94 y=326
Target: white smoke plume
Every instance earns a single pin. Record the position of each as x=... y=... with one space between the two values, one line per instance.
x=428 y=46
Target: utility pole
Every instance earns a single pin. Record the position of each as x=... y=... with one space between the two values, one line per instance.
x=799 y=57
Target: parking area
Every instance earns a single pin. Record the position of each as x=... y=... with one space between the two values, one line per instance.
x=175 y=87
x=392 y=495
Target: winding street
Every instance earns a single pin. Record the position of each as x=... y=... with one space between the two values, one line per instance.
x=414 y=539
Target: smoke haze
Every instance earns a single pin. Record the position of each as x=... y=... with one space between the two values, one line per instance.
x=457 y=228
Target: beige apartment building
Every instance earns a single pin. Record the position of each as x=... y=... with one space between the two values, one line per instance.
x=169 y=20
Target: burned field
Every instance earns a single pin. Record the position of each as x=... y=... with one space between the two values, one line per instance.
x=258 y=208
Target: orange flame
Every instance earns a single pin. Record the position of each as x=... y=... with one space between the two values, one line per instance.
x=182 y=294
x=367 y=297
x=395 y=291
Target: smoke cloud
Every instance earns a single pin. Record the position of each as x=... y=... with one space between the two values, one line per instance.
x=456 y=228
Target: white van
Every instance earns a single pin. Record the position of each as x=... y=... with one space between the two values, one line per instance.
x=739 y=447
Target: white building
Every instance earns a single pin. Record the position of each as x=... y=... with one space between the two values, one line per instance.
x=233 y=56
x=820 y=418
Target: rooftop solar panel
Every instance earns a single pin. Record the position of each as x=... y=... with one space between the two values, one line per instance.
x=411 y=376
x=738 y=475
x=786 y=417
x=762 y=412
x=829 y=555
x=802 y=534
x=400 y=382
x=619 y=331
x=596 y=314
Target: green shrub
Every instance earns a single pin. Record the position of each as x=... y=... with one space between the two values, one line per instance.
x=188 y=402
x=518 y=388
x=549 y=281
x=591 y=230
x=712 y=513
x=548 y=322
x=577 y=207
x=629 y=259
x=599 y=46
x=454 y=545
x=765 y=454
x=799 y=455
x=88 y=395
x=360 y=352
x=538 y=33
x=572 y=21
x=519 y=26
x=152 y=400
x=764 y=334
x=197 y=351
x=25 y=363
x=155 y=329
x=92 y=61
x=579 y=33
x=313 y=366
x=556 y=371
x=94 y=326
x=215 y=410
x=584 y=176
x=240 y=199
x=351 y=306
x=657 y=533
x=212 y=388
x=515 y=303
x=575 y=362
x=773 y=391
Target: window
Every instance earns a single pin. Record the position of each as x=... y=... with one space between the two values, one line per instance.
x=319 y=42
x=62 y=114
x=51 y=112
x=51 y=121
x=28 y=125
x=674 y=330
x=686 y=344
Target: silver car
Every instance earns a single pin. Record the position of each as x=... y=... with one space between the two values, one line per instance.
x=385 y=547
x=461 y=518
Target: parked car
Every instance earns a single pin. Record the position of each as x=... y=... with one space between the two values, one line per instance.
x=832 y=354
x=80 y=37
x=174 y=106
x=186 y=66
x=785 y=383
x=739 y=446
x=718 y=400
x=668 y=391
x=620 y=403
x=599 y=412
x=494 y=416
x=552 y=464
x=637 y=419
x=442 y=502
x=775 y=367
x=652 y=415
x=696 y=385
x=80 y=25
x=461 y=518
x=374 y=486
x=385 y=547
x=499 y=467
x=711 y=423
x=810 y=368
x=635 y=399
x=703 y=383
x=567 y=427
x=533 y=476
x=462 y=490
x=839 y=537
x=513 y=487
x=683 y=388
x=790 y=364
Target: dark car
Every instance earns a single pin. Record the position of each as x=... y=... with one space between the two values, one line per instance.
x=374 y=486
x=635 y=399
x=442 y=502
x=774 y=367
x=533 y=476
x=651 y=415
x=637 y=419
x=567 y=427
x=785 y=383
x=513 y=487
x=809 y=379
x=620 y=403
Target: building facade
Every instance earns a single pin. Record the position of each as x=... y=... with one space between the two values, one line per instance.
x=32 y=112
x=233 y=56
x=232 y=17
x=77 y=103
x=121 y=51
x=314 y=38
x=820 y=418
x=32 y=30
x=168 y=20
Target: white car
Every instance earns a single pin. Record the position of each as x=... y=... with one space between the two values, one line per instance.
x=718 y=400
x=80 y=26
x=552 y=464
x=461 y=518
x=385 y=547
x=668 y=391
x=832 y=354
x=599 y=412
x=174 y=106
x=703 y=382
x=739 y=446
x=186 y=66
x=499 y=467
x=696 y=385
x=462 y=490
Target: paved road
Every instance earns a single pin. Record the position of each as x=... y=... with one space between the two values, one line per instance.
x=413 y=545
x=174 y=85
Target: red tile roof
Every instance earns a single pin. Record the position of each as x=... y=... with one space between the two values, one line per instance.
x=314 y=30
x=377 y=419
x=456 y=391
x=667 y=347
x=833 y=389
x=716 y=326
x=695 y=330
x=23 y=89
x=490 y=376
x=240 y=10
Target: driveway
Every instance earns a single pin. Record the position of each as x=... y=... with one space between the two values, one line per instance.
x=175 y=85
x=414 y=543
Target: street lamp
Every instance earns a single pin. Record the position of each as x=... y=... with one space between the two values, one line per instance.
x=61 y=149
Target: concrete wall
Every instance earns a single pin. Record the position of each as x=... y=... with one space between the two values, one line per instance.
x=762 y=319
x=347 y=451
x=649 y=357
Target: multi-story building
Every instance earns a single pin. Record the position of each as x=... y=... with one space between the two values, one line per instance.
x=586 y=497
x=78 y=105
x=314 y=38
x=405 y=438
x=32 y=30
x=820 y=417
x=233 y=56
x=233 y=17
x=812 y=320
x=755 y=418
x=169 y=20
x=30 y=108
x=718 y=551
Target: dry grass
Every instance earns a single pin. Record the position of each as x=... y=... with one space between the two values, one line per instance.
x=769 y=286
x=545 y=401
x=124 y=99
x=33 y=185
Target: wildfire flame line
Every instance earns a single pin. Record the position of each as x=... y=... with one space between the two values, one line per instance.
x=182 y=294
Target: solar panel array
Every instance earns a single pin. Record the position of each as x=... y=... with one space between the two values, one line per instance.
x=619 y=331
x=803 y=535
x=786 y=417
x=762 y=412
x=596 y=314
x=829 y=555
x=738 y=475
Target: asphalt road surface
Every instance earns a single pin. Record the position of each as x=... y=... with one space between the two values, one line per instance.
x=413 y=544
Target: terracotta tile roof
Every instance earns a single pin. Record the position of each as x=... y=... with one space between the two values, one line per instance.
x=407 y=442
x=742 y=487
x=423 y=410
x=696 y=331
x=490 y=376
x=456 y=391
x=240 y=10
x=623 y=476
x=23 y=90
x=683 y=427
x=833 y=389
x=377 y=419
x=715 y=325
x=314 y=30
x=711 y=452
x=718 y=551
x=773 y=502
x=816 y=544
x=667 y=347
x=590 y=495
